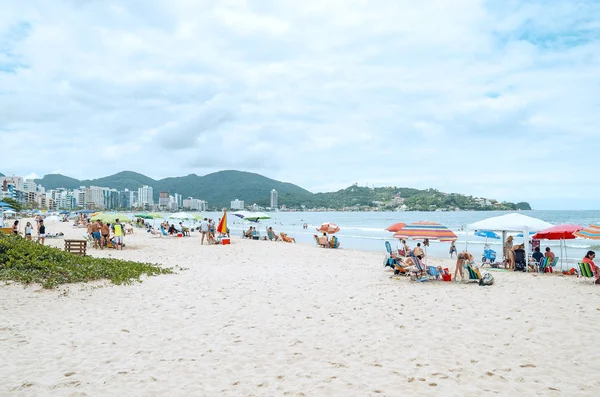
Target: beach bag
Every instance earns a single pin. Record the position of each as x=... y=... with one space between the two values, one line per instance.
x=486 y=279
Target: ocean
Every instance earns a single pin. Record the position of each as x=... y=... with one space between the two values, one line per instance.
x=366 y=230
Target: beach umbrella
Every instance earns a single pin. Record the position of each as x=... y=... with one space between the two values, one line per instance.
x=487 y=234
x=10 y=212
x=198 y=217
x=5 y=205
x=329 y=228
x=591 y=232
x=559 y=232
x=143 y=216
x=222 y=227
x=255 y=216
x=422 y=231
x=181 y=215
x=110 y=217
x=51 y=218
x=156 y=215
x=395 y=227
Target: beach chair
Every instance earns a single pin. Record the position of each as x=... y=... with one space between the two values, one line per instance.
x=163 y=232
x=335 y=242
x=434 y=272
x=585 y=271
x=474 y=274
x=542 y=265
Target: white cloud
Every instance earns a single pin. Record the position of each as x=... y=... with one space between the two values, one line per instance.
x=486 y=98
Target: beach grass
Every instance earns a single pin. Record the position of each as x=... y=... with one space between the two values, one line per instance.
x=27 y=262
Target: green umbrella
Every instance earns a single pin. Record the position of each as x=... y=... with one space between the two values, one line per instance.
x=110 y=217
x=144 y=216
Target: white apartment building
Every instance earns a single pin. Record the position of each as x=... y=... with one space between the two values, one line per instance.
x=237 y=204
x=194 y=204
x=145 y=196
x=274 y=199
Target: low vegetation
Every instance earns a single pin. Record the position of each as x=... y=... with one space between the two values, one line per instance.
x=28 y=262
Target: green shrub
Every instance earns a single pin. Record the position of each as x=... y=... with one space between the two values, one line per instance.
x=28 y=262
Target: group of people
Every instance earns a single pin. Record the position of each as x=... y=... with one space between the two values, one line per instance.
x=325 y=242
x=254 y=234
x=100 y=233
x=41 y=230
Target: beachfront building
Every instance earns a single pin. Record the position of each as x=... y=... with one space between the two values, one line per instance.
x=274 y=199
x=194 y=204
x=133 y=199
x=237 y=204
x=145 y=197
x=178 y=200
x=163 y=200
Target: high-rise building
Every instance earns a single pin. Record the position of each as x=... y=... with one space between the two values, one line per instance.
x=237 y=204
x=133 y=198
x=163 y=200
x=274 y=199
x=145 y=196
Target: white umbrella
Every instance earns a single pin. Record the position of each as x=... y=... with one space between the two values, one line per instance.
x=181 y=215
x=51 y=218
x=10 y=212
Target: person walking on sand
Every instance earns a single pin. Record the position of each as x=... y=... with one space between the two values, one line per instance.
x=452 y=249
x=204 y=231
x=41 y=232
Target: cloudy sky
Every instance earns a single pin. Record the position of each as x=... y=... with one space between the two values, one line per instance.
x=492 y=98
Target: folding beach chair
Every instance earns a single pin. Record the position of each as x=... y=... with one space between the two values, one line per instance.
x=474 y=274
x=585 y=271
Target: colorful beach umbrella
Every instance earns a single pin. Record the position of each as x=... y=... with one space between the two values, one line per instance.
x=222 y=227
x=329 y=228
x=429 y=230
x=558 y=232
x=395 y=227
x=591 y=232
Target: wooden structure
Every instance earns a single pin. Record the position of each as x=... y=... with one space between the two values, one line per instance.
x=6 y=230
x=76 y=247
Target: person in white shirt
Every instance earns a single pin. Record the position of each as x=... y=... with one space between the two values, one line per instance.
x=204 y=230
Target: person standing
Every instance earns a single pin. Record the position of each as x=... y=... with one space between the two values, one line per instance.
x=28 y=230
x=15 y=228
x=105 y=233
x=118 y=231
x=96 y=233
x=452 y=249
x=41 y=232
x=204 y=231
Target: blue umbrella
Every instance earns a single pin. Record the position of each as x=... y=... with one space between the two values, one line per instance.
x=487 y=234
x=3 y=204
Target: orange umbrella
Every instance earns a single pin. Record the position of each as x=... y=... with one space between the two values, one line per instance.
x=430 y=230
x=395 y=227
x=329 y=228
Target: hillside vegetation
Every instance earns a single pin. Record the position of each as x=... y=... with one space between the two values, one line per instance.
x=219 y=188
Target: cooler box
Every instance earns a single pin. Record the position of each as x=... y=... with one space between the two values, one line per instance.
x=179 y=235
x=225 y=241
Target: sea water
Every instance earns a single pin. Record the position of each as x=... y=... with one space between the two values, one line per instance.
x=366 y=230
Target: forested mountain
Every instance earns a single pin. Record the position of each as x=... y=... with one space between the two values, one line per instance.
x=219 y=188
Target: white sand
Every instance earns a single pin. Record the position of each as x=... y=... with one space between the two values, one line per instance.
x=259 y=318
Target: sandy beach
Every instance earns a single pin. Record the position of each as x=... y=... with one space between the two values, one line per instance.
x=261 y=318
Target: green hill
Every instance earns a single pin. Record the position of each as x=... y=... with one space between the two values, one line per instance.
x=219 y=188
x=1 y=174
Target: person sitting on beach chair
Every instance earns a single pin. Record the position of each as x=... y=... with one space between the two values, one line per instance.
x=271 y=234
x=248 y=233
x=287 y=239
x=323 y=241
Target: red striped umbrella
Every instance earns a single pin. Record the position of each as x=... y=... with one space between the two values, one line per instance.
x=329 y=228
x=395 y=227
x=429 y=230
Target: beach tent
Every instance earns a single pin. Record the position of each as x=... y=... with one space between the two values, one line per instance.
x=181 y=216
x=512 y=222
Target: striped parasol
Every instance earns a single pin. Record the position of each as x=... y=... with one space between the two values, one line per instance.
x=395 y=227
x=329 y=228
x=591 y=232
x=426 y=230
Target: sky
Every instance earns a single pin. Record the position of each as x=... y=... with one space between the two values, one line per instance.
x=498 y=99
